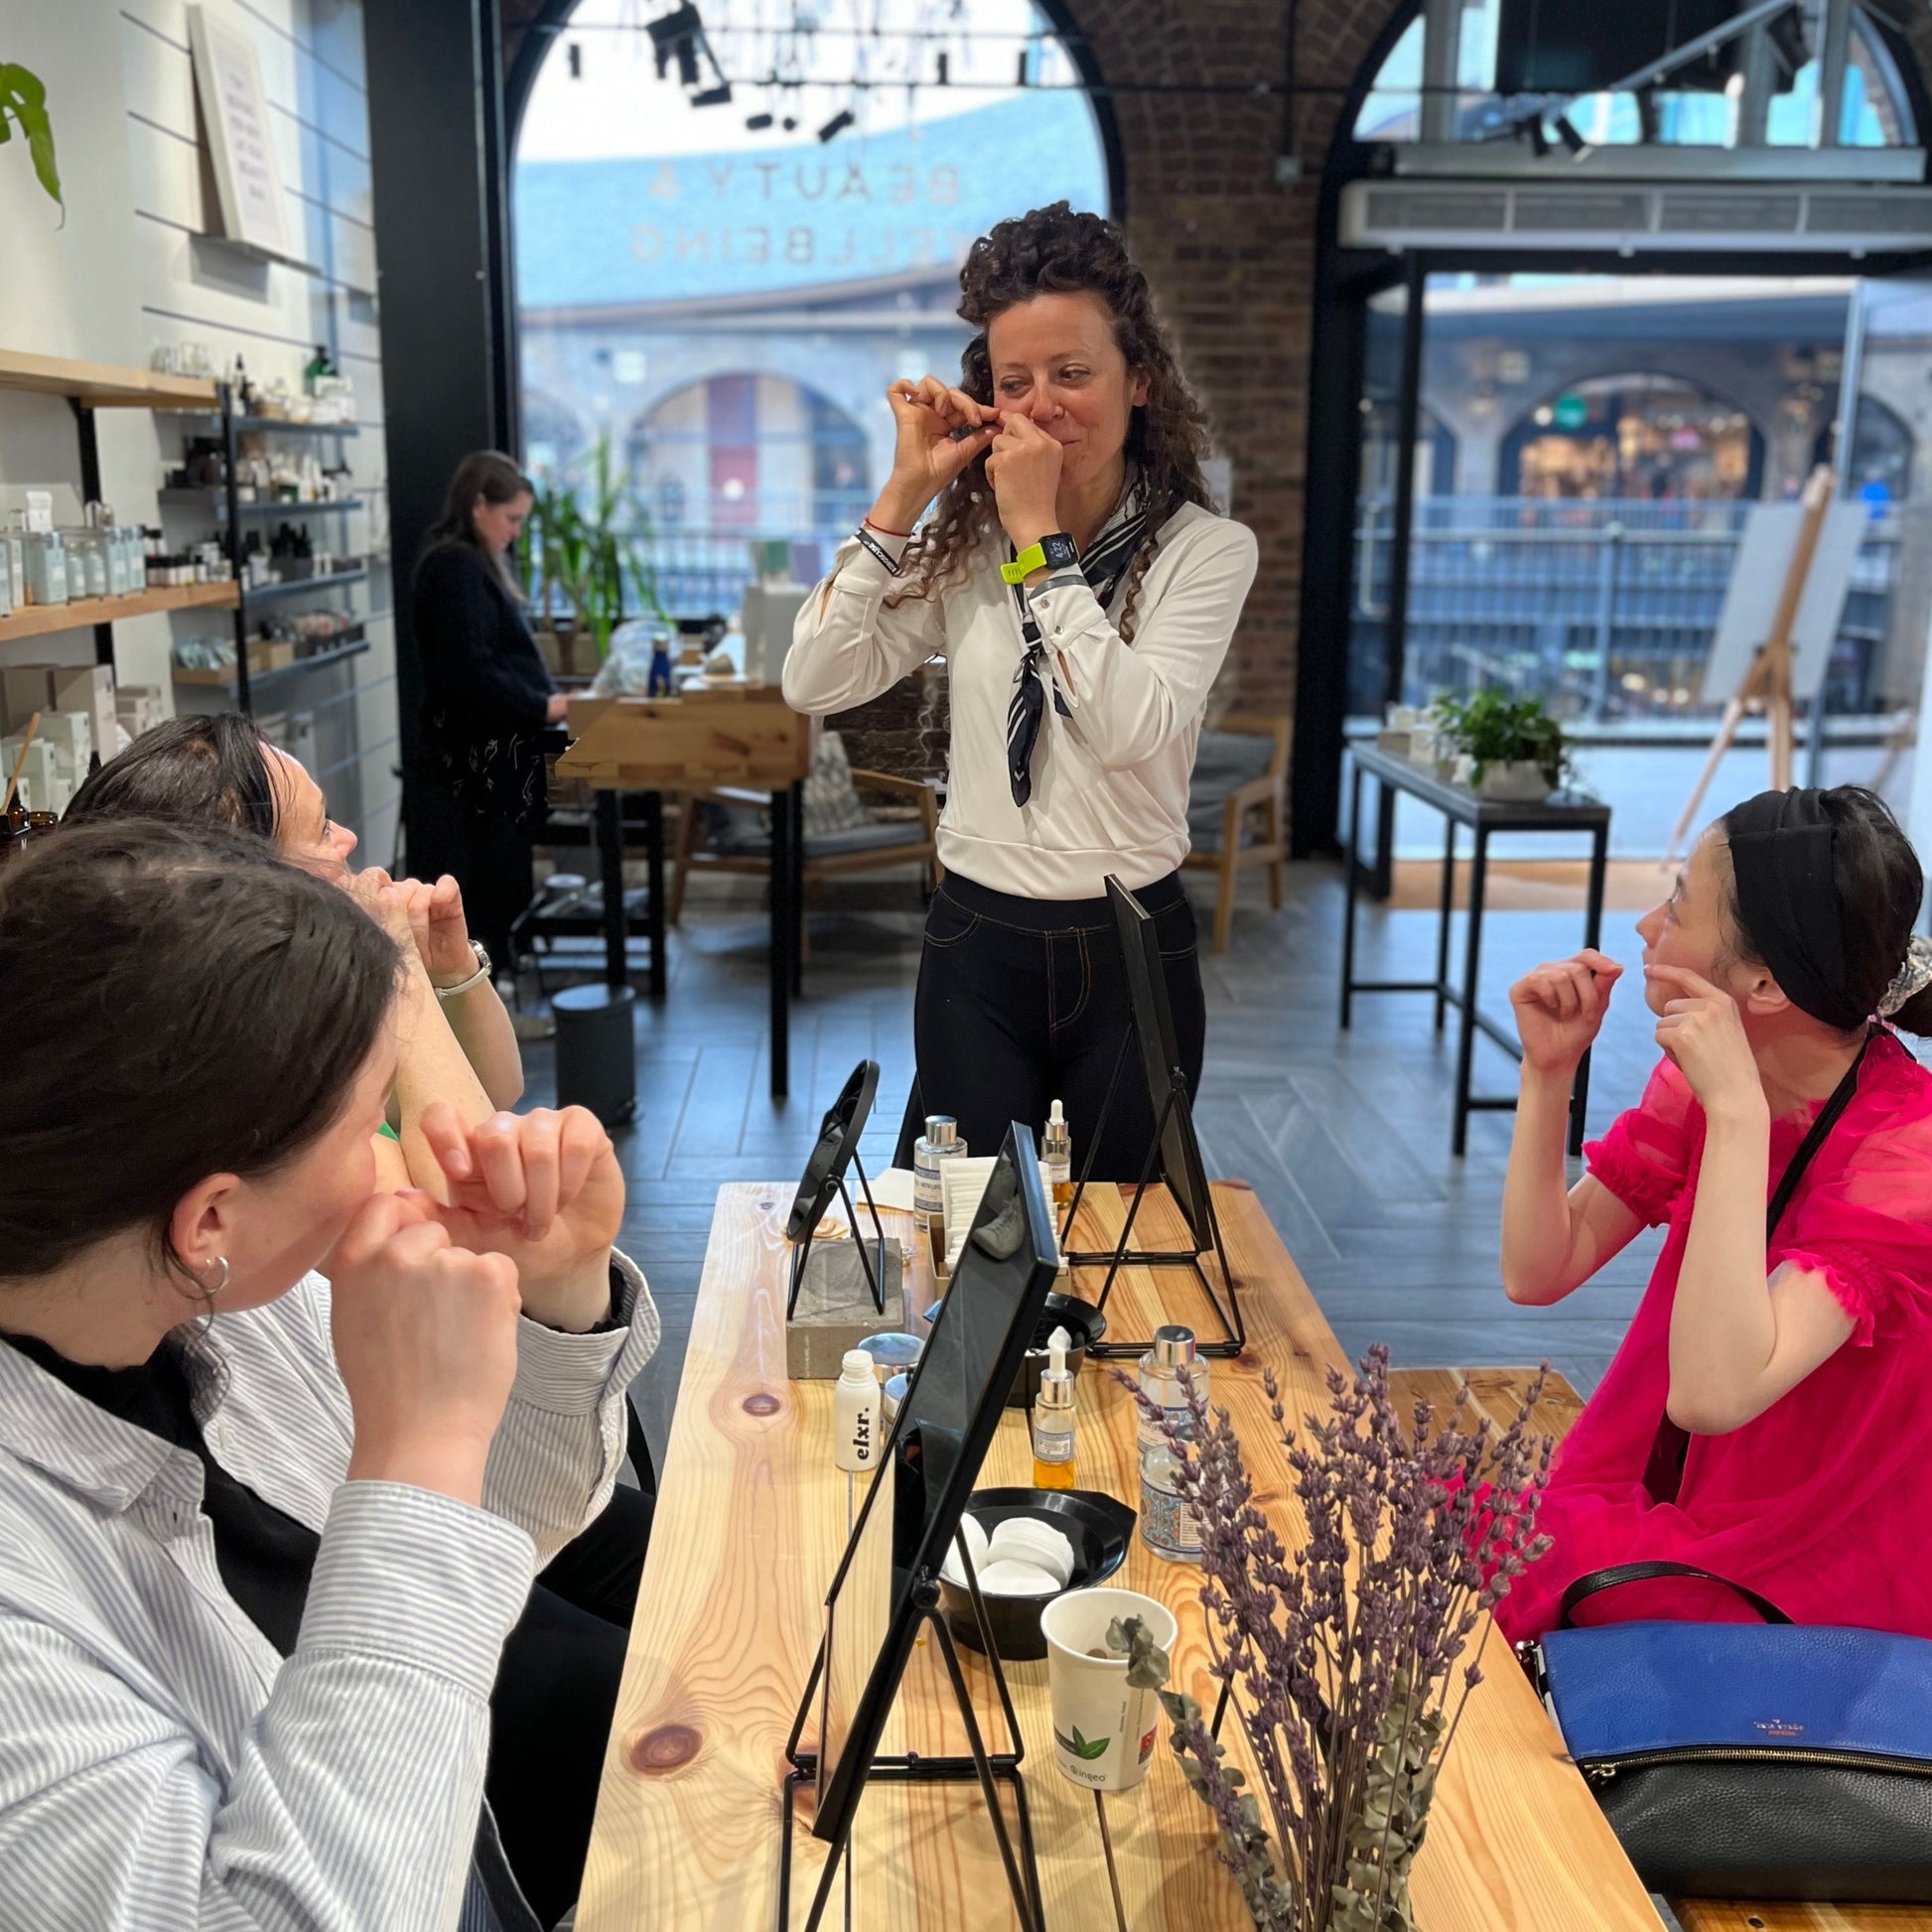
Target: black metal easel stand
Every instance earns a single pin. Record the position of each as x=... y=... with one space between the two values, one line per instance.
x=1234 y=1333
x=989 y=1769
x=875 y=1277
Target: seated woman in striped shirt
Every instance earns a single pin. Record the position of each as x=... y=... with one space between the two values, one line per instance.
x=263 y=1535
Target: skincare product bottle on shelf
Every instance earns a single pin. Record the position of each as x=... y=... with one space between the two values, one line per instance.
x=1053 y=1419
x=856 y=1432
x=1056 y=1158
x=939 y=1144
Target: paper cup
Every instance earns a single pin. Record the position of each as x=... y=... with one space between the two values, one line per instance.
x=1103 y=1733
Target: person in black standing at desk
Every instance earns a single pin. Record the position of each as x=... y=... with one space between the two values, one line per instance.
x=487 y=694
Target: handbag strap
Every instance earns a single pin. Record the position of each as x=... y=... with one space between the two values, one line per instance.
x=1664 y=1469
x=1644 y=1573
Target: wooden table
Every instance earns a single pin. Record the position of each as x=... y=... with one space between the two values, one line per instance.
x=751 y=1521
x=737 y=734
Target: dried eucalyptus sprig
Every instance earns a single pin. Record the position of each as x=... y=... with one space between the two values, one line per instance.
x=1342 y=1655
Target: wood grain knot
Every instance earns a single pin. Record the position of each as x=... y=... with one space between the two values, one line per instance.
x=761 y=1404
x=667 y=1748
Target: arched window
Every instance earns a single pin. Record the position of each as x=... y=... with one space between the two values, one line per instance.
x=728 y=243
x=1641 y=435
x=1701 y=105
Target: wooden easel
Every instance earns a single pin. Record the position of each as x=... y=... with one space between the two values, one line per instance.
x=1767 y=684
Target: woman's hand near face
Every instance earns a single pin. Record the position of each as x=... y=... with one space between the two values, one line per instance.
x=545 y=1189
x=389 y=905
x=558 y=709
x=1703 y=1031
x=925 y=459
x=425 y=1337
x=1024 y=472
x=1559 y=1010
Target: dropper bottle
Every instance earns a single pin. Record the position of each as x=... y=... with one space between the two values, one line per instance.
x=1056 y=1158
x=1053 y=1418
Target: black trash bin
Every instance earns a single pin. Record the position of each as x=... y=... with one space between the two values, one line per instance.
x=597 y=1055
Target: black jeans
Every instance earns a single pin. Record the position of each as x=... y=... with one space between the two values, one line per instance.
x=1023 y=1002
x=555 y=1697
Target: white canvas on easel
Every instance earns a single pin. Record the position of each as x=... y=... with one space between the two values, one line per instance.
x=1756 y=582
x=240 y=139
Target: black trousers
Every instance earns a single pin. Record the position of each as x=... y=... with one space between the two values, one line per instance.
x=491 y=859
x=1023 y=1002
x=555 y=1697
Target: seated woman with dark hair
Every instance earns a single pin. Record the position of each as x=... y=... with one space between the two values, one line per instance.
x=456 y=1038
x=1766 y=1419
x=263 y=1536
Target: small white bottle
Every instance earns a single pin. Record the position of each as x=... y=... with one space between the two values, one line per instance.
x=856 y=1432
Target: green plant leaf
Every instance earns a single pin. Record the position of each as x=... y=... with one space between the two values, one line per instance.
x=1081 y=1747
x=23 y=97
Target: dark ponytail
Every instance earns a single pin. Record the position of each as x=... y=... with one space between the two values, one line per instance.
x=1881 y=892
x=173 y=1005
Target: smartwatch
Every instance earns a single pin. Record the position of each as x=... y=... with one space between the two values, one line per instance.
x=1049 y=553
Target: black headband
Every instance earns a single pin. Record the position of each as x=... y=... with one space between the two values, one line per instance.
x=1787 y=900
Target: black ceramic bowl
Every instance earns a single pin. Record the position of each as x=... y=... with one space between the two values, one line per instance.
x=1098 y=1527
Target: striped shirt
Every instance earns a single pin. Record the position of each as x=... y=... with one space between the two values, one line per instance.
x=161 y=1767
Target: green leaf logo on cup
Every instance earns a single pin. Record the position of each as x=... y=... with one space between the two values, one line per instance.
x=22 y=98
x=1106 y=1660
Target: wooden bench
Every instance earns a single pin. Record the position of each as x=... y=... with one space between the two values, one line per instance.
x=1496 y=1393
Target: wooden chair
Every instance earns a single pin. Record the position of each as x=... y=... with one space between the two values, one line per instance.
x=1219 y=819
x=1497 y=1392
x=882 y=844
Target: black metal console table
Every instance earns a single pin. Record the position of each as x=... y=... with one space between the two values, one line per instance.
x=1461 y=807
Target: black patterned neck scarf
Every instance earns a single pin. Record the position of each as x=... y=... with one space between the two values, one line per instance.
x=1104 y=565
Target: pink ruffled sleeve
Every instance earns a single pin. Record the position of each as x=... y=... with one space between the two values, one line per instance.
x=1865 y=1223
x=1645 y=1158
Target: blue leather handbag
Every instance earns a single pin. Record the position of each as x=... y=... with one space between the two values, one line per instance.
x=1749 y=1761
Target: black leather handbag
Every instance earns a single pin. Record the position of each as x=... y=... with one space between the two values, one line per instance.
x=1749 y=1761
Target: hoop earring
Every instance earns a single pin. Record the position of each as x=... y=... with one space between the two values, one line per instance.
x=220 y=1287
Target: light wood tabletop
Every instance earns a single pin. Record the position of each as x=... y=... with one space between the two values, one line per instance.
x=751 y=1521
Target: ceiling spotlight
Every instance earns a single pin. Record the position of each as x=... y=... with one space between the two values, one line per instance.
x=790 y=123
x=574 y=52
x=837 y=125
x=945 y=68
x=1532 y=130
x=758 y=123
x=1572 y=140
x=1650 y=125
x=718 y=96
x=676 y=36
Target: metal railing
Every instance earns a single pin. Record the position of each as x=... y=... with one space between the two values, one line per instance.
x=1605 y=608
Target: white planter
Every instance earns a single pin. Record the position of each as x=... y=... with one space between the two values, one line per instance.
x=1103 y=1733
x=1516 y=781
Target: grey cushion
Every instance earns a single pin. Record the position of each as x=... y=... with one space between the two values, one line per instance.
x=1223 y=762
x=743 y=832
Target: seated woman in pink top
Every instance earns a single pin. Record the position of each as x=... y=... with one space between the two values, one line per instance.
x=1768 y=1417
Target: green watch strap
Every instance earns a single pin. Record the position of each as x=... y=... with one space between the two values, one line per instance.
x=1031 y=559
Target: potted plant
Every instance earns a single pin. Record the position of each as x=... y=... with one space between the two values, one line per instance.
x=585 y=547
x=1340 y=1657
x=1515 y=749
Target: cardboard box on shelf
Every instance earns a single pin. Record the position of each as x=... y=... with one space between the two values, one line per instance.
x=70 y=737
x=139 y=708
x=89 y=688
x=42 y=787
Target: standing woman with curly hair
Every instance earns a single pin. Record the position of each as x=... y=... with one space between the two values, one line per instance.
x=1083 y=593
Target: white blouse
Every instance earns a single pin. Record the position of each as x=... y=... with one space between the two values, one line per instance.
x=1110 y=778
x=162 y=1770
